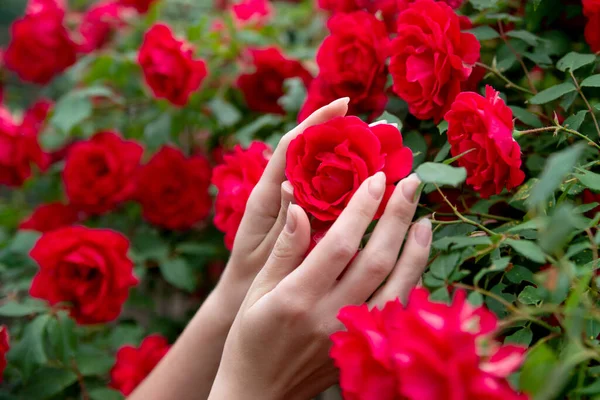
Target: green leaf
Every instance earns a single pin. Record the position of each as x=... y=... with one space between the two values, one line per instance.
x=440 y=295
x=246 y=134
x=14 y=309
x=530 y=295
x=390 y=119
x=23 y=241
x=589 y=179
x=552 y=93
x=105 y=394
x=295 y=93
x=158 y=132
x=61 y=333
x=574 y=121
x=460 y=242
x=416 y=142
x=591 y=81
x=30 y=351
x=526 y=117
x=594 y=388
x=76 y=106
x=525 y=36
x=538 y=366
x=497 y=265
x=523 y=336
x=573 y=61
x=536 y=4
x=527 y=249
x=519 y=274
x=444 y=264
x=563 y=222
x=94 y=363
x=441 y=174
x=484 y=32
x=483 y=4
x=475 y=298
x=225 y=113
x=557 y=167
x=178 y=273
x=443 y=127
x=48 y=382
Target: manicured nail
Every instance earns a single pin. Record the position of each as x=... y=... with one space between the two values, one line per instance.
x=409 y=187
x=377 y=185
x=290 y=220
x=287 y=187
x=423 y=232
x=344 y=100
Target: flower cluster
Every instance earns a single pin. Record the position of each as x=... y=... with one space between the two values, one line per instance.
x=425 y=351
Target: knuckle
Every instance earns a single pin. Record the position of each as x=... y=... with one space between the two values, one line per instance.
x=343 y=249
x=295 y=308
x=401 y=210
x=378 y=266
x=282 y=248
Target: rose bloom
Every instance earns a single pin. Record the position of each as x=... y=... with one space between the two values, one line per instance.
x=235 y=179
x=99 y=173
x=133 y=364
x=88 y=269
x=252 y=11
x=426 y=351
x=431 y=58
x=142 y=6
x=483 y=126
x=352 y=64
x=591 y=197
x=173 y=189
x=99 y=23
x=327 y=163
x=49 y=217
x=4 y=347
x=263 y=87
x=591 y=9
x=19 y=147
x=40 y=46
x=168 y=65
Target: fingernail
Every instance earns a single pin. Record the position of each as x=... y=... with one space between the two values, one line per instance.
x=377 y=185
x=423 y=232
x=344 y=100
x=287 y=187
x=409 y=187
x=290 y=219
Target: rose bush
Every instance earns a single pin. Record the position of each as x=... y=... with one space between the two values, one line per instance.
x=132 y=133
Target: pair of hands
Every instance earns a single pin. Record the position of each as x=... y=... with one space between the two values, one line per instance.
x=279 y=343
x=276 y=308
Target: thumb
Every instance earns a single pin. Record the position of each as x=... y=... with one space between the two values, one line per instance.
x=287 y=254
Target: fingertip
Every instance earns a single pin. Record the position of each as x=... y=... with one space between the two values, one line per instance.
x=422 y=232
x=287 y=192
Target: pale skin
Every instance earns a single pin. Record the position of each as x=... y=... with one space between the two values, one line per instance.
x=266 y=326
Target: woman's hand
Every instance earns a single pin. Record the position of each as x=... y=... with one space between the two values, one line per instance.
x=188 y=370
x=278 y=346
x=265 y=215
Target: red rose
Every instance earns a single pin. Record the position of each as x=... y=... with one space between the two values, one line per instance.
x=49 y=217
x=168 y=65
x=86 y=268
x=40 y=46
x=591 y=9
x=235 y=179
x=264 y=86
x=352 y=64
x=4 y=347
x=431 y=58
x=133 y=364
x=327 y=163
x=98 y=24
x=484 y=126
x=248 y=11
x=99 y=173
x=19 y=146
x=339 y=5
x=173 y=189
x=142 y=6
x=426 y=351
x=591 y=197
